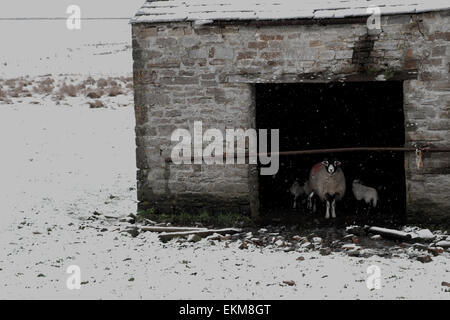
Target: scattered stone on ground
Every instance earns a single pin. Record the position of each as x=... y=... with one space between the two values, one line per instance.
x=194 y=238
x=354 y=241
x=424 y=259
x=325 y=251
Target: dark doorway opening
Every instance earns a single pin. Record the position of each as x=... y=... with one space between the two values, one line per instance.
x=336 y=115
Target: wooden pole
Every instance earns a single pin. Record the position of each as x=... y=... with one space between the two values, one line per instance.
x=338 y=150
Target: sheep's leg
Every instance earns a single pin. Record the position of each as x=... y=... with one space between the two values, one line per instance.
x=333 y=208
x=310 y=200
x=327 y=215
x=295 y=203
x=368 y=205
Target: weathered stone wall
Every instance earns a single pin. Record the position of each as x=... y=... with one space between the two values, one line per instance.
x=427 y=120
x=184 y=74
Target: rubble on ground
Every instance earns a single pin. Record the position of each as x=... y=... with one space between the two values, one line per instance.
x=354 y=241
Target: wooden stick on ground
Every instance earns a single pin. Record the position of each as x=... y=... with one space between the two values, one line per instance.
x=390 y=233
x=201 y=233
x=170 y=229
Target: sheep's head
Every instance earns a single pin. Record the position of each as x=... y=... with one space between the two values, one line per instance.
x=331 y=166
x=356 y=181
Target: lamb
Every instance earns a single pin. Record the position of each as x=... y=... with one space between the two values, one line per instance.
x=327 y=181
x=297 y=190
x=368 y=194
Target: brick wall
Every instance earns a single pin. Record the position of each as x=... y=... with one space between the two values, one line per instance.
x=184 y=74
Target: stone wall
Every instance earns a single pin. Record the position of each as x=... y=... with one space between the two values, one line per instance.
x=184 y=74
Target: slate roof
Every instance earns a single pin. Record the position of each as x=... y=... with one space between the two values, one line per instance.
x=214 y=10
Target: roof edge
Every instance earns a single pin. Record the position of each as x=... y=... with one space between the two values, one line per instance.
x=360 y=18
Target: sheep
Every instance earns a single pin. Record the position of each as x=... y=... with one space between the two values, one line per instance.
x=297 y=190
x=327 y=181
x=368 y=194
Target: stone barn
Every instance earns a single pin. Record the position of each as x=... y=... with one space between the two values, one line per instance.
x=327 y=74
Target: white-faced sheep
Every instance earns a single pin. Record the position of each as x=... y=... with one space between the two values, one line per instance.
x=327 y=181
x=368 y=194
x=297 y=190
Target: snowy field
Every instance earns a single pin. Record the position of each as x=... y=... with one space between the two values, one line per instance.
x=62 y=161
x=48 y=47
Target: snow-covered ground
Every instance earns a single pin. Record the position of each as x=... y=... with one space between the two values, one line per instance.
x=61 y=161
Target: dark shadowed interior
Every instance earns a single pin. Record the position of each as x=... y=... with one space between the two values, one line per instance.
x=336 y=115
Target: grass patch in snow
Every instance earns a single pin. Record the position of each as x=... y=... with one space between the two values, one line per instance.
x=204 y=218
x=59 y=87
